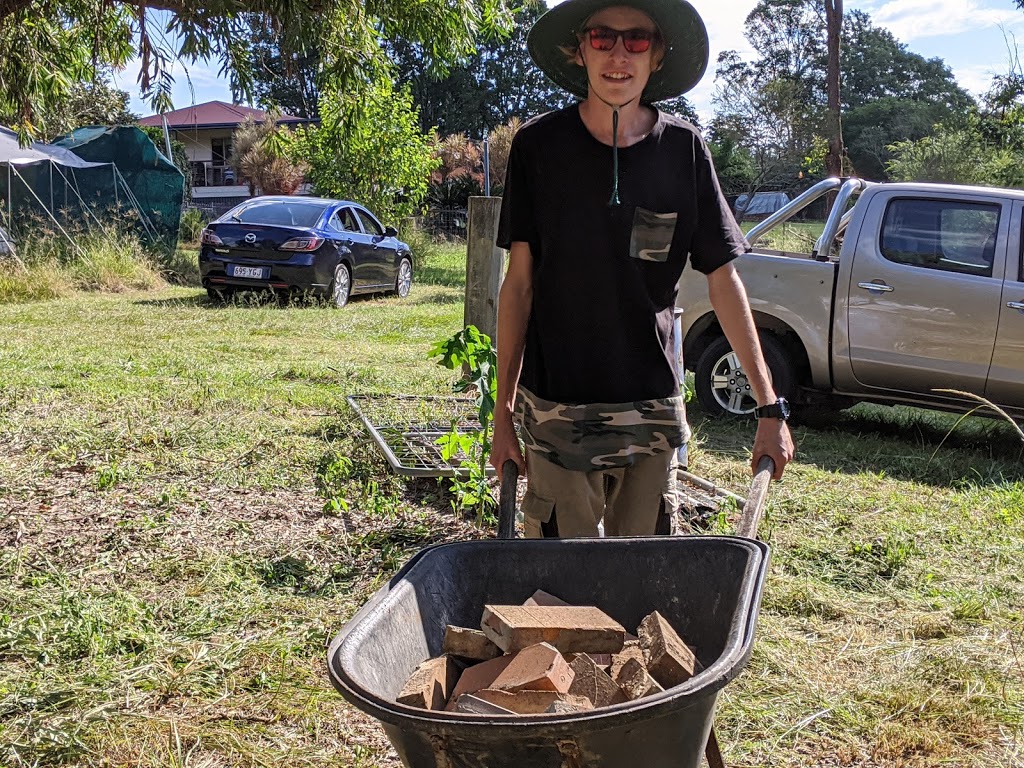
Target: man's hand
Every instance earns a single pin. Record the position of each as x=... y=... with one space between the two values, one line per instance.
x=505 y=444
x=773 y=439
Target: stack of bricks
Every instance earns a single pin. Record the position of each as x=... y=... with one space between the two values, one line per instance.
x=547 y=656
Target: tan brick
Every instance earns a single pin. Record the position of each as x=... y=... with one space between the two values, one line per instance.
x=537 y=668
x=540 y=597
x=469 y=644
x=477 y=677
x=570 y=629
x=635 y=681
x=592 y=682
x=530 y=702
x=430 y=685
x=669 y=660
x=472 y=705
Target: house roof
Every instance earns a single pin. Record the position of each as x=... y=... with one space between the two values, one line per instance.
x=213 y=114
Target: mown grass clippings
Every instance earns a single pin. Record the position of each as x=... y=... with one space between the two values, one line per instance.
x=190 y=512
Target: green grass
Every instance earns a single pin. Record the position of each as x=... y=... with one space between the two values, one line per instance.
x=189 y=512
x=792 y=236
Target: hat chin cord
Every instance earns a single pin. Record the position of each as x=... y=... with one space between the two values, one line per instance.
x=614 y=200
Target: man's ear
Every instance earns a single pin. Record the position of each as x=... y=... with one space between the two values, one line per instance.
x=658 y=60
x=579 y=57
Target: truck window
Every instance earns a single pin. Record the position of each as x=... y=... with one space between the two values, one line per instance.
x=949 y=235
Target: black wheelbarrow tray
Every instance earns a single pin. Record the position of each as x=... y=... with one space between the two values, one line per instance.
x=708 y=587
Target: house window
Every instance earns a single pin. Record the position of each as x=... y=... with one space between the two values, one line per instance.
x=221 y=151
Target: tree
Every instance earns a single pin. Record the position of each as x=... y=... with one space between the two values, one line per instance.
x=772 y=106
x=369 y=149
x=95 y=103
x=490 y=87
x=257 y=157
x=777 y=105
x=498 y=149
x=46 y=45
x=890 y=94
x=288 y=81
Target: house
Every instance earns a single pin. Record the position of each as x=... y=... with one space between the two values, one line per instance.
x=206 y=131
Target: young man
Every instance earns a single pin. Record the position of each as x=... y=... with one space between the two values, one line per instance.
x=604 y=202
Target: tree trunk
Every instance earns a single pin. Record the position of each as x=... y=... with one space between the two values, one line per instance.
x=834 y=125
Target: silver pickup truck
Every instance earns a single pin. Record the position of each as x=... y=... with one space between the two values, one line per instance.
x=911 y=290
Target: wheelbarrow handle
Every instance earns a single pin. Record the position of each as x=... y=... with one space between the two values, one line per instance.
x=507 y=500
x=753 y=510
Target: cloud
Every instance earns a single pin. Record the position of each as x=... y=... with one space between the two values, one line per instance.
x=915 y=19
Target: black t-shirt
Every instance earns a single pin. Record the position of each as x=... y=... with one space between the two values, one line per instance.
x=604 y=277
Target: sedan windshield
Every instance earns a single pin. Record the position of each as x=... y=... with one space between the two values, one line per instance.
x=289 y=213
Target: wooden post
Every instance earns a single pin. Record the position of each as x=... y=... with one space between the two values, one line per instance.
x=485 y=265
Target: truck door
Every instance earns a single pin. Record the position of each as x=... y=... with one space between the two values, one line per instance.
x=1006 y=377
x=925 y=291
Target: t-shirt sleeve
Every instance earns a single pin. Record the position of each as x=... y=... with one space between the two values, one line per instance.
x=516 y=222
x=717 y=238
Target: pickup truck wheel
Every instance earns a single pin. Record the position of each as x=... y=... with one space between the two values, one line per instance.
x=722 y=386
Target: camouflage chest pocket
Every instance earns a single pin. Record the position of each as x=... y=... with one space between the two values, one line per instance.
x=652 y=235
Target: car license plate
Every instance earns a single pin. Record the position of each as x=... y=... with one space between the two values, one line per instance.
x=254 y=273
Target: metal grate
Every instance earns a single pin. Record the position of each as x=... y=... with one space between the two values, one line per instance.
x=406 y=429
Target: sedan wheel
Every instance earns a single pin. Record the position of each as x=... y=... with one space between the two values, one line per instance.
x=342 y=286
x=403 y=283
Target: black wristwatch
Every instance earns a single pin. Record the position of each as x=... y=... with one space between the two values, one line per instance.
x=777 y=410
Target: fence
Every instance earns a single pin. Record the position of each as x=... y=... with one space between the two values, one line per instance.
x=446 y=223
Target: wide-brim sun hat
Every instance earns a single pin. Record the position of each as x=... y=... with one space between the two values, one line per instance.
x=682 y=31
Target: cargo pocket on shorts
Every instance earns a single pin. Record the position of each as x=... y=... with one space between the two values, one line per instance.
x=652 y=235
x=537 y=508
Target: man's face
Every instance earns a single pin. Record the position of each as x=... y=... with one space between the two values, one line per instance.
x=618 y=76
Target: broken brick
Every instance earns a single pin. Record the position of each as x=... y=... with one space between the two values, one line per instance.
x=530 y=702
x=477 y=677
x=570 y=629
x=469 y=704
x=669 y=660
x=537 y=668
x=430 y=684
x=540 y=597
x=471 y=644
x=591 y=681
x=636 y=682
x=629 y=651
x=569 y=704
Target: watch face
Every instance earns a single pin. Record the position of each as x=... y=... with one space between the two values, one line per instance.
x=783 y=404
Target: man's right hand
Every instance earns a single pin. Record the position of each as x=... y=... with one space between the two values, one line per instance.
x=505 y=444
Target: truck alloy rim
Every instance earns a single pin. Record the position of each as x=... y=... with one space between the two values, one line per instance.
x=730 y=386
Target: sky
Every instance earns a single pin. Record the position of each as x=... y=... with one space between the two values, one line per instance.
x=976 y=38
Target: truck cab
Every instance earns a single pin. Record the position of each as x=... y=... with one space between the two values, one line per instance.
x=914 y=293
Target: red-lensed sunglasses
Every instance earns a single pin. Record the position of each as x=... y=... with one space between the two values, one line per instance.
x=633 y=40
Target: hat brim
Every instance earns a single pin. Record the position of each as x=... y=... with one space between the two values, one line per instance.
x=681 y=27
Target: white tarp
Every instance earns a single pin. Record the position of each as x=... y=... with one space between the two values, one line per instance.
x=11 y=152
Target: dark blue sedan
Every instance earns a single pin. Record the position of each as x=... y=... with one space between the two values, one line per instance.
x=333 y=248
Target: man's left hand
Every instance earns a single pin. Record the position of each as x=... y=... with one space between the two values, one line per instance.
x=773 y=439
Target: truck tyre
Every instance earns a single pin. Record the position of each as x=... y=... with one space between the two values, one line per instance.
x=721 y=385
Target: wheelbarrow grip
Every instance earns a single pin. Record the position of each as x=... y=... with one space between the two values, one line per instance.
x=753 y=510
x=507 y=500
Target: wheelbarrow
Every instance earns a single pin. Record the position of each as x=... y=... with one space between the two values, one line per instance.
x=708 y=587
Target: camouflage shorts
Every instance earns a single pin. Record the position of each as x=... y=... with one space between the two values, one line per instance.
x=600 y=435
